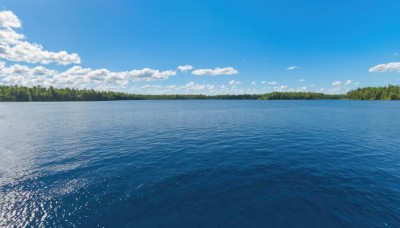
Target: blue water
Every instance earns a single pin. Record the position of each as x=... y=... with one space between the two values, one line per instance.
x=200 y=164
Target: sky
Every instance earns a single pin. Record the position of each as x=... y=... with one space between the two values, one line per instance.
x=200 y=47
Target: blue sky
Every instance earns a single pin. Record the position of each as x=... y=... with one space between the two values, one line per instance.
x=233 y=46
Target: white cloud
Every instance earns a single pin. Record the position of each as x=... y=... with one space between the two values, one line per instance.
x=171 y=87
x=76 y=76
x=253 y=83
x=9 y=36
x=9 y=20
x=195 y=87
x=338 y=90
x=216 y=71
x=234 y=83
x=185 y=68
x=389 y=67
x=337 y=83
x=269 y=83
x=148 y=74
x=14 y=47
x=189 y=88
x=22 y=70
x=293 y=68
x=210 y=87
x=341 y=87
x=302 y=80
x=348 y=82
x=281 y=88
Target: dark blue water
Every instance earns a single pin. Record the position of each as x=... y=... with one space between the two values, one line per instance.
x=200 y=164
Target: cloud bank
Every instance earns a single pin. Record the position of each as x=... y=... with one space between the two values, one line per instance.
x=215 y=72
x=14 y=47
x=76 y=76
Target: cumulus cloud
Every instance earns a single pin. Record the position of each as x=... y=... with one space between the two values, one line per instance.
x=293 y=68
x=348 y=82
x=22 y=70
x=337 y=83
x=215 y=72
x=269 y=83
x=189 y=88
x=25 y=76
x=14 y=47
x=253 y=83
x=76 y=76
x=234 y=83
x=185 y=68
x=195 y=87
x=338 y=90
x=302 y=80
x=9 y=20
x=282 y=88
x=389 y=67
x=340 y=87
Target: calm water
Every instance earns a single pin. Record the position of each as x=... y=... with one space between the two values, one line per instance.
x=200 y=164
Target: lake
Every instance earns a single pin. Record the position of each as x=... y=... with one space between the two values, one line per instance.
x=200 y=163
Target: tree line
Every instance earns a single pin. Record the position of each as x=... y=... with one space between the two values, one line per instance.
x=390 y=92
x=300 y=96
x=38 y=93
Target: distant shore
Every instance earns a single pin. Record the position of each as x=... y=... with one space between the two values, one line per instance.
x=37 y=93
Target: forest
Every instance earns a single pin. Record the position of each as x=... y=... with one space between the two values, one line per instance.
x=300 y=96
x=38 y=93
x=390 y=92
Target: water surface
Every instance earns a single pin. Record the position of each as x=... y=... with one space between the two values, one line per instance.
x=200 y=164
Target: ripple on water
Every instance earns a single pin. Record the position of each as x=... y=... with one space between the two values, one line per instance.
x=200 y=163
